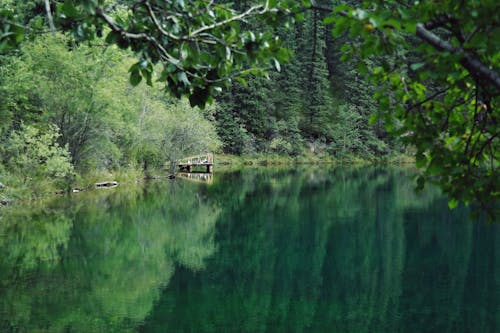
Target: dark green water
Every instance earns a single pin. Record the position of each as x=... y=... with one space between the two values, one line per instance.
x=341 y=250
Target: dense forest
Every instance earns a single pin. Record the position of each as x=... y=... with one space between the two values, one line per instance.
x=334 y=238
x=90 y=87
x=315 y=104
x=71 y=105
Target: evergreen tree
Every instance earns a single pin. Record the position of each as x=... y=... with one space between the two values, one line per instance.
x=317 y=101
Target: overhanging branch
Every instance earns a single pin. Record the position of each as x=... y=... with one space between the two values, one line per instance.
x=472 y=64
x=255 y=10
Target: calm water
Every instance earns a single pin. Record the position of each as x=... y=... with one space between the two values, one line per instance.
x=341 y=250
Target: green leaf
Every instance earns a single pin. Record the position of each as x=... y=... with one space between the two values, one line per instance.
x=112 y=37
x=182 y=77
x=89 y=6
x=180 y=3
x=421 y=160
x=135 y=77
x=416 y=66
x=330 y=20
x=242 y=81
x=453 y=203
x=70 y=10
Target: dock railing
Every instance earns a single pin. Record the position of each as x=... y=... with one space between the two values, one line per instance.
x=203 y=159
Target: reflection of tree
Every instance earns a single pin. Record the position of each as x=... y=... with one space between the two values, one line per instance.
x=123 y=248
x=348 y=250
x=481 y=304
x=364 y=260
x=29 y=238
x=452 y=274
x=30 y=241
x=325 y=251
x=296 y=264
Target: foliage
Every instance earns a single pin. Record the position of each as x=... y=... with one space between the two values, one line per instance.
x=11 y=31
x=346 y=134
x=440 y=89
x=200 y=47
x=98 y=265
x=37 y=159
x=170 y=133
x=299 y=109
x=317 y=104
x=434 y=68
x=243 y=115
x=103 y=121
x=81 y=112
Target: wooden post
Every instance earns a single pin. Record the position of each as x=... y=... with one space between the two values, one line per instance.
x=190 y=168
x=210 y=168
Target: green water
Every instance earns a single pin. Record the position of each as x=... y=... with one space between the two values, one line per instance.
x=339 y=250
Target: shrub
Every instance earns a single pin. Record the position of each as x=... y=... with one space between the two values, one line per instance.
x=34 y=157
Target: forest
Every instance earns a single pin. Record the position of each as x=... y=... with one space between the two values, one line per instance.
x=355 y=186
x=99 y=87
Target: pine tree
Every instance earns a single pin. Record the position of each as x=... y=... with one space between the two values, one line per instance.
x=317 y=100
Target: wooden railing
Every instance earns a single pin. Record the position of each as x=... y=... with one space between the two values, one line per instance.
x=204 y=159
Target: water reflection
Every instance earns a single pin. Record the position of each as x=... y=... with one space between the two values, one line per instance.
x=98 y=266
x=340 y=250
x=201 y=177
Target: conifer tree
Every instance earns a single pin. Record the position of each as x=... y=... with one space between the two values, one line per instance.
x=317 y=101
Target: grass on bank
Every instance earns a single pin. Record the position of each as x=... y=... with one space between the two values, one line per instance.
x=19 y=188
x=223 y=160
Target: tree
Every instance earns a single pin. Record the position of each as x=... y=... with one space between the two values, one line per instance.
x=37 y=159
x=200 y=44
x=440 y=90
x=169 y=130
x=438 y=81
x=50 y=84
x=244 y=116
x=316 y=93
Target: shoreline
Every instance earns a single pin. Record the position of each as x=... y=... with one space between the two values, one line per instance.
x=222 y=162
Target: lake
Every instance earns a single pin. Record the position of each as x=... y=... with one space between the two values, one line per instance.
x=259 y=250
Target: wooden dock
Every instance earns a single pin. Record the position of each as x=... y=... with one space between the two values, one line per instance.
x=206 y=161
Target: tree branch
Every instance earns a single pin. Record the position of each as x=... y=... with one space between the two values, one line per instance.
x=469 y=62
x=431 y=97
x=472 y=64
x=49 y=16
x=161 y=50
x=260 y=8
x=157 y=23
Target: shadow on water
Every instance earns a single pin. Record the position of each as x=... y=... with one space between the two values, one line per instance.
x=338 y=250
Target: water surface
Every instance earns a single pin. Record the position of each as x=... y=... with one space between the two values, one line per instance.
x=337 y=250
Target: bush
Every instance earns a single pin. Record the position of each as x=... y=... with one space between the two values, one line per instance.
x=34 y=159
